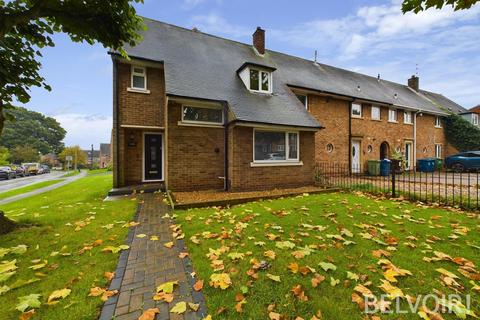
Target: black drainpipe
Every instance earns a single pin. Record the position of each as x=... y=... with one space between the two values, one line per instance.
x=350 y=137
x=116 y=119
x=226 y=185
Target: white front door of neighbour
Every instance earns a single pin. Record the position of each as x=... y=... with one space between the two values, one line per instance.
x=356 y=156
x=408 y=155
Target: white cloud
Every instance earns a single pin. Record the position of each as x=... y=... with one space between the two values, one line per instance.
x=213 y=23
x=85 y=130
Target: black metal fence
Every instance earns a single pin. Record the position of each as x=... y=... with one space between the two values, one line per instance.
x=441 y=187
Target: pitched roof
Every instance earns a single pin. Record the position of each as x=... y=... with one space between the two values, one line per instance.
x=475 y=109
x=200 y=65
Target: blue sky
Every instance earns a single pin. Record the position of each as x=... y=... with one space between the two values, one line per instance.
x=367 y=36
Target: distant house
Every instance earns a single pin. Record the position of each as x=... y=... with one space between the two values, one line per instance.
x=195 y=111
x=93 y=157
x=105 y=155
x=472 y=116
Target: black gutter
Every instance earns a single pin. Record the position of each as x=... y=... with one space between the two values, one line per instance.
x=116 y=54
x=339 y=95
x=350 y=137
x=253 y=64
x=278 y=124
x=226 y=185
x=116 y=121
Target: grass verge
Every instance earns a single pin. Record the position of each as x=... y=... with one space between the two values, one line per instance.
x=71 y=174
x=35 y=186
x=337 y=235
x=55 y=226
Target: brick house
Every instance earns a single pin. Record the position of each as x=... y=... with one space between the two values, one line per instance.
x=195 y=111
x=105 y=155
x=472 y=116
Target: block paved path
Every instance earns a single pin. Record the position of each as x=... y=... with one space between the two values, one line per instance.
x=148 y=264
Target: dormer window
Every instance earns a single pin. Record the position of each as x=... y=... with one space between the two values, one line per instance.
x=260 y=80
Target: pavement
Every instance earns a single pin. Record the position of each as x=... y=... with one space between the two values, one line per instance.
x=148 y=264
x=44 y=189
x=7 y=185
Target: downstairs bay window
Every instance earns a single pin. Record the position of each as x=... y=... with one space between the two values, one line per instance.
x=276 y=147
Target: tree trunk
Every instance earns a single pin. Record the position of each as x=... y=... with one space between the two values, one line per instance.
x=6 y=225
x=2 y=117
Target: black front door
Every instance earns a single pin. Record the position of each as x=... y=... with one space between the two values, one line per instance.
x=153 y=157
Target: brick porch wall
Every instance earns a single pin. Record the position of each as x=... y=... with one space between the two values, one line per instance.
x=195 y=156
x=245 y=177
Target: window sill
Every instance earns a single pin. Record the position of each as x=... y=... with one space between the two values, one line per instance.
x=409 y=123
x=357 y=117
x=391 y=121
x=276 y=164
x=438 y=127
x=203 y=125
x=379 y=120
x=138 y=90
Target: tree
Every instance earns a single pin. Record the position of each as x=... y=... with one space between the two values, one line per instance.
x=76 y=153
x=28 y=127
x=4 y=156
x=420 y=5
x=24 y=153
x=462 y=134
x=26 y=26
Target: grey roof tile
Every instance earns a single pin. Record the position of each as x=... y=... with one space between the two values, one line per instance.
x=200 y=65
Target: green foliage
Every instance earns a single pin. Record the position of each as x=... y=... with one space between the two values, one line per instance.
x=4 y=156
x=420 y=5
x=26 y=27
x=462 y=134
x=24 y=153
x=76 y=153
x=33 y=128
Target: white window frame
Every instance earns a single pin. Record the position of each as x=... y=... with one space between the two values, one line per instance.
x=410 y=117
x=306 y=99
x=438 y=150
x=143 y=74
x=209 y=123
x=379 y=113
x=438 y=122
x=361 y=110
x=390 y=113
x=260 y=71
x=287 y=148
x=475 y=119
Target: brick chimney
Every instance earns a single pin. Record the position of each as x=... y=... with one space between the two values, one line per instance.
x=259 y=40
x=414 y=83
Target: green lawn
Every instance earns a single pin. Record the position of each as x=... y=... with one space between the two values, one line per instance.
x=99 y=171
x=71 y=174
x=340 y=229
x=35 y=186
x=55 y=227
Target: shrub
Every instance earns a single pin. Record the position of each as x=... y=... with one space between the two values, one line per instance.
x=462 y=134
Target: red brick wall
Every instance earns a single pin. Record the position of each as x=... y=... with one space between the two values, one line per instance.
x=141 y=108
x=196 y=154
x=333 y=115
x=245 y=177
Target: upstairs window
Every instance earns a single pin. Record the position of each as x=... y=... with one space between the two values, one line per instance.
x=392 y=115
x=260 y=80
x=303 y=99
x=356 y=110
x=139 y=78
x=375 y=113
x=438 y=122
x=203 y=115
x=475 y=119
x=407 y=117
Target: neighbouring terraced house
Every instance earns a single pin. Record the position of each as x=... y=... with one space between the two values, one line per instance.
x=195 y=111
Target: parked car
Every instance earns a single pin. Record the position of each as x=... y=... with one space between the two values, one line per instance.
x=18 y=170
x=464 y=161
x=32 y=168
x=44 y=168
x=6 y=173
